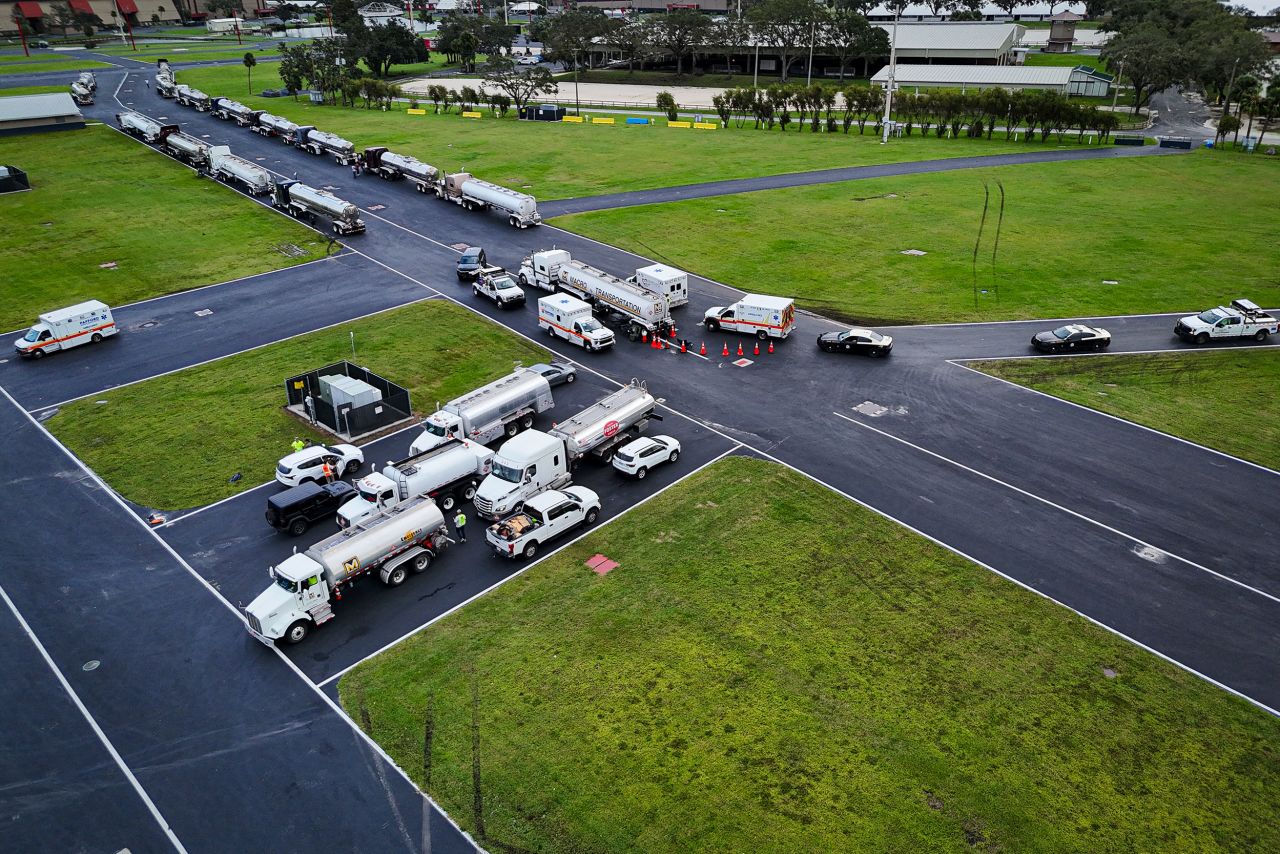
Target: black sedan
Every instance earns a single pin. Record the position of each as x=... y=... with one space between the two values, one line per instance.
x=470 y=263
x=856 y=341
x=557 y=373
x=1073 y=336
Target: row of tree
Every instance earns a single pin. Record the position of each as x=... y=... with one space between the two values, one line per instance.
x=945 y=112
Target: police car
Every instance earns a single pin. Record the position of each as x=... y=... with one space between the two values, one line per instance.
x=1073 y=336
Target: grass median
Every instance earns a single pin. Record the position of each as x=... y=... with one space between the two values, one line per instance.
x=32 y=65
x=773 y=668
x=1179 y=393
x=552 y=160
x=99 y=198
x=175 y=441
x=32 y=90
x=1135 y=235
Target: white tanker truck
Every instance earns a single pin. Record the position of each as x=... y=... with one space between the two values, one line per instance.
x=273 y=125
x=143 y=127
x=189 y=97
x=88 y=80
x=186 y=148
x=304 y=587
x=303 y=201
x=392 y=167
x=81 y=94
x=320 y=142
x=504 y=406
x=227 y=167
x=227 y=109
x=473 y=194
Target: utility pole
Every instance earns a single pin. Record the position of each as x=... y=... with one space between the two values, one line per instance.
x=1115 y=96
x=893 y=64
x=813 y=31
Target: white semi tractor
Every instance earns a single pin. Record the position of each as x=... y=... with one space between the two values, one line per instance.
x=535 y=461
x=503 y=407
x=187 y=148
x=190 y=97
x=166 y=86
x=304 y=587
x=308 y=203
x=392 y=167
x=227 y=167
x=81 y=94
x=269 y=124
x=229 y=110
x=448 y=475
x=473 y=194
x=88 y=80
x=320 y=142
x=143 y=127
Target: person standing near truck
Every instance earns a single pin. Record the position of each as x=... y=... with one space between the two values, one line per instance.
x=460 y=523
x=327 y=470
x=298 y=445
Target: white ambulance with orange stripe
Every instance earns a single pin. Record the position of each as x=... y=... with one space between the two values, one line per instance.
x=66 y=328
x=570 y=318
x=754 y=314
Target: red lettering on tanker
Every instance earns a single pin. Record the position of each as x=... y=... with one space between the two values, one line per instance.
x=610 y=429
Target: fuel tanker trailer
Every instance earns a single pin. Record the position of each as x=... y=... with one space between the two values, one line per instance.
x=143 y=127
x=227 y=167
x=81 y=94
x=189 y=97
x=273 y=125
x=392 y=167
x=473 y=194
x=187 y=148
x=228 y=110
x=309 y=203
x=320 y=142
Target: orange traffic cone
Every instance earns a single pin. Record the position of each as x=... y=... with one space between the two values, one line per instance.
x=726 y=349
x=757 y=350
x=702 y=351
x=644 y=336
x=739 y=348
x=671 y=333
x=770 y=345
x=683 y=348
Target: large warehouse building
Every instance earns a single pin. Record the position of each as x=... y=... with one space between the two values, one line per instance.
x=35 y=113
x=1081 y=81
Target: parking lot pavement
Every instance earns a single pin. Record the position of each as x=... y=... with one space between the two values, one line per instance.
x=169 y=333
x=232 y=546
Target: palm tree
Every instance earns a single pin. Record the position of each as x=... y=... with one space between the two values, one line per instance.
x=249 y=62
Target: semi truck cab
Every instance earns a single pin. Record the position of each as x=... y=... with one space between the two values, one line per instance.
x=299 y=594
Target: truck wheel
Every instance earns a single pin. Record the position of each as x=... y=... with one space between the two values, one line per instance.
x=1202 y=338
x=712 y=325
x=515 y=223
x=527 y=421
x=421 y=562
x=761 y=334
x=592 y=515
x=38 y=354
x=475 y=290
x=524 y=280
x=511 y=429
x=97 y=337
x=336 y=230
x=1261 y=335
x=469 y=491
x=298 y=527
x=551 y=330
x=297 y=633
x=447 y=501
x=397 y=576
x=530 y=550
x=641 y=473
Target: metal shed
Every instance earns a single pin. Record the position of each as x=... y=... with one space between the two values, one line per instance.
x=36 y=113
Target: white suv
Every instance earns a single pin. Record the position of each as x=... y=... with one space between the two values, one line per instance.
x=308 y=464
x=636 y=458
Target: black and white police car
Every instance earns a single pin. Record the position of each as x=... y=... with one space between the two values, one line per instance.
x=1073 y=336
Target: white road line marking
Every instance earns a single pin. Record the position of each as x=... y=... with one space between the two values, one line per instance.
x=522 y=570
x=46 y=406
x=1060 y=507
x=1100 y=355
x=93 y=724
x=235 y=611
x=957 y=363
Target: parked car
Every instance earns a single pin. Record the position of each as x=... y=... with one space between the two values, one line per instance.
x=470 y=263
x=294 y=509
x=528 y=59
x=856 y=340
x=557 y=373
x=497 y=284
x=1073 y=336
x=40 y=43
x=636 y=458
x=307 y=465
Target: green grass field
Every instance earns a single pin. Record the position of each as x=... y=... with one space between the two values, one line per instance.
x=555 y=161
x=713 y=80
x=1068 y=59
x=41 y=67
x=1167 y=391
x=80 y=215
x=1174 y=233
x=31 y=90
x=232 y=410
x=773 y=668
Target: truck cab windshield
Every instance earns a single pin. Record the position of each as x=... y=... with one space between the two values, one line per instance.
x=372 y=496
x=32 y=335
x=434 y=429
x=513 y=474
x=590 y=325
x=286 y=584
x=1211 y=316
x=503 y=283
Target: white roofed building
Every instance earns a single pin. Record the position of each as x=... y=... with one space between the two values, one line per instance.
x=1081 y=81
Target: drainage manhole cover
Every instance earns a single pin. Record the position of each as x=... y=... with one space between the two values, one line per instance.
x=90 y=665
x=148 y=324
x=872 y=410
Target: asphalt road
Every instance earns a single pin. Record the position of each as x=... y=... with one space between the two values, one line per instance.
x=1123 y=524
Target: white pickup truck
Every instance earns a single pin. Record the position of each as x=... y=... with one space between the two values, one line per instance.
x=544 y=517
x=1243 y=319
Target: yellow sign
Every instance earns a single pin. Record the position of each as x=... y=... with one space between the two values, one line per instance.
x=601 y=121
x=679 y=124
x=416 y=112
x=577 y=119
x=297 y=384
x=471 y=115
x=705 y=125
x=351 y=564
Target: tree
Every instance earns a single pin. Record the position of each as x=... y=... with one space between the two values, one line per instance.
x=849 y=36
x=629 y=39
x=667 y=104
x=732 y=35
x=294 y=67
x=225 y=8
x=249 y=62
x=937 y=7
x=1007 y=6
x=504 y=76
x=1226 y=125
x=681 y=32
x=389 y=44
x=569 y=36
x=1224 y=48
x=1150 y=56
x=785 y=25
x=62 y=16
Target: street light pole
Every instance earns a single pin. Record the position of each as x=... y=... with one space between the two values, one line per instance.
x=813 y=28
x=888 y=92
